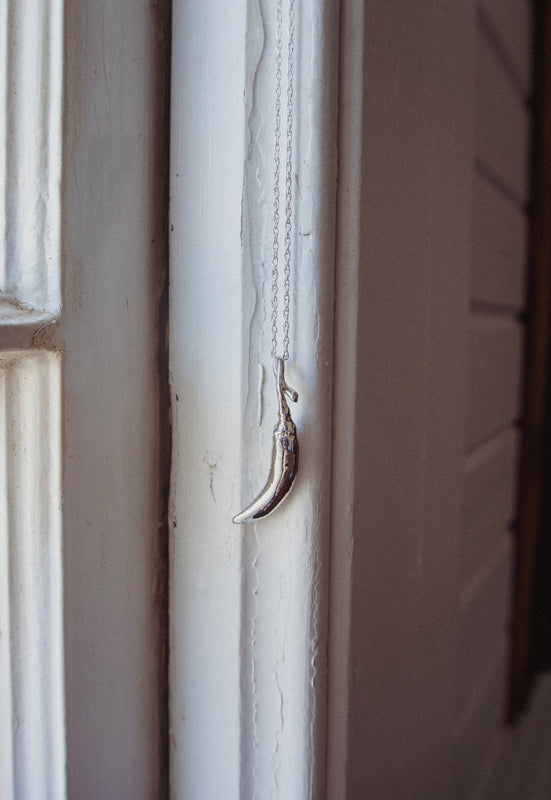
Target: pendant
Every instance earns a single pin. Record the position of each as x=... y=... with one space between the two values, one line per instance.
x=284 y=456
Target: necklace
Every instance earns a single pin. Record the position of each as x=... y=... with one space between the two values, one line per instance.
x=285 y=442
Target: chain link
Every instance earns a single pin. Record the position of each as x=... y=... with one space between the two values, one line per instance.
x=288 y=179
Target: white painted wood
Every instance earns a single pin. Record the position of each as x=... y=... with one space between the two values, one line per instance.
x=502 y=123
x=495 y=371
x=6 y=706
x=32 y=730
x=208 y=150
x=114 y=228
x=31 y=46
x=3 y=135
x=249 y=609
x=248 y=604
x=499 y=249
x=32 y=707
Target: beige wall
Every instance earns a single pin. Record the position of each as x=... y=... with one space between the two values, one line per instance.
x=424 y=558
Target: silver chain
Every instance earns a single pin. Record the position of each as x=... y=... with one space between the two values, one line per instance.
x=288 y=180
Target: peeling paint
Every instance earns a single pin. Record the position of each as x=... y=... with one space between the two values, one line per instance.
x=281 y=623
x=211 y=462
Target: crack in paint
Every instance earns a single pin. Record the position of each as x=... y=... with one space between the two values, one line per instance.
x=254 y=661
x=283 y=601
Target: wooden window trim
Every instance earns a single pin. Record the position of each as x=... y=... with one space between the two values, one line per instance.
x=536 y=404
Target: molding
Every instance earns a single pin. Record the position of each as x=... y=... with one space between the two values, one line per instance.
x=248 y=603
x=31 y=45
x=349 y=204
x=32 y=719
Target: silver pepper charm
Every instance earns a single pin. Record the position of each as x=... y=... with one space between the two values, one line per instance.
x=284 y=456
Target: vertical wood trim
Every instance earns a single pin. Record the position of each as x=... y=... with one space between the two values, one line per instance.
x=31 y=90
x=3 y=135
x=256 y=595
x=32 y=729
x=284 y=622
x=536 y=371
x=114 y=245
x=206 y=178
x=349 y=199
x=161 y=190
x=6 y=705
